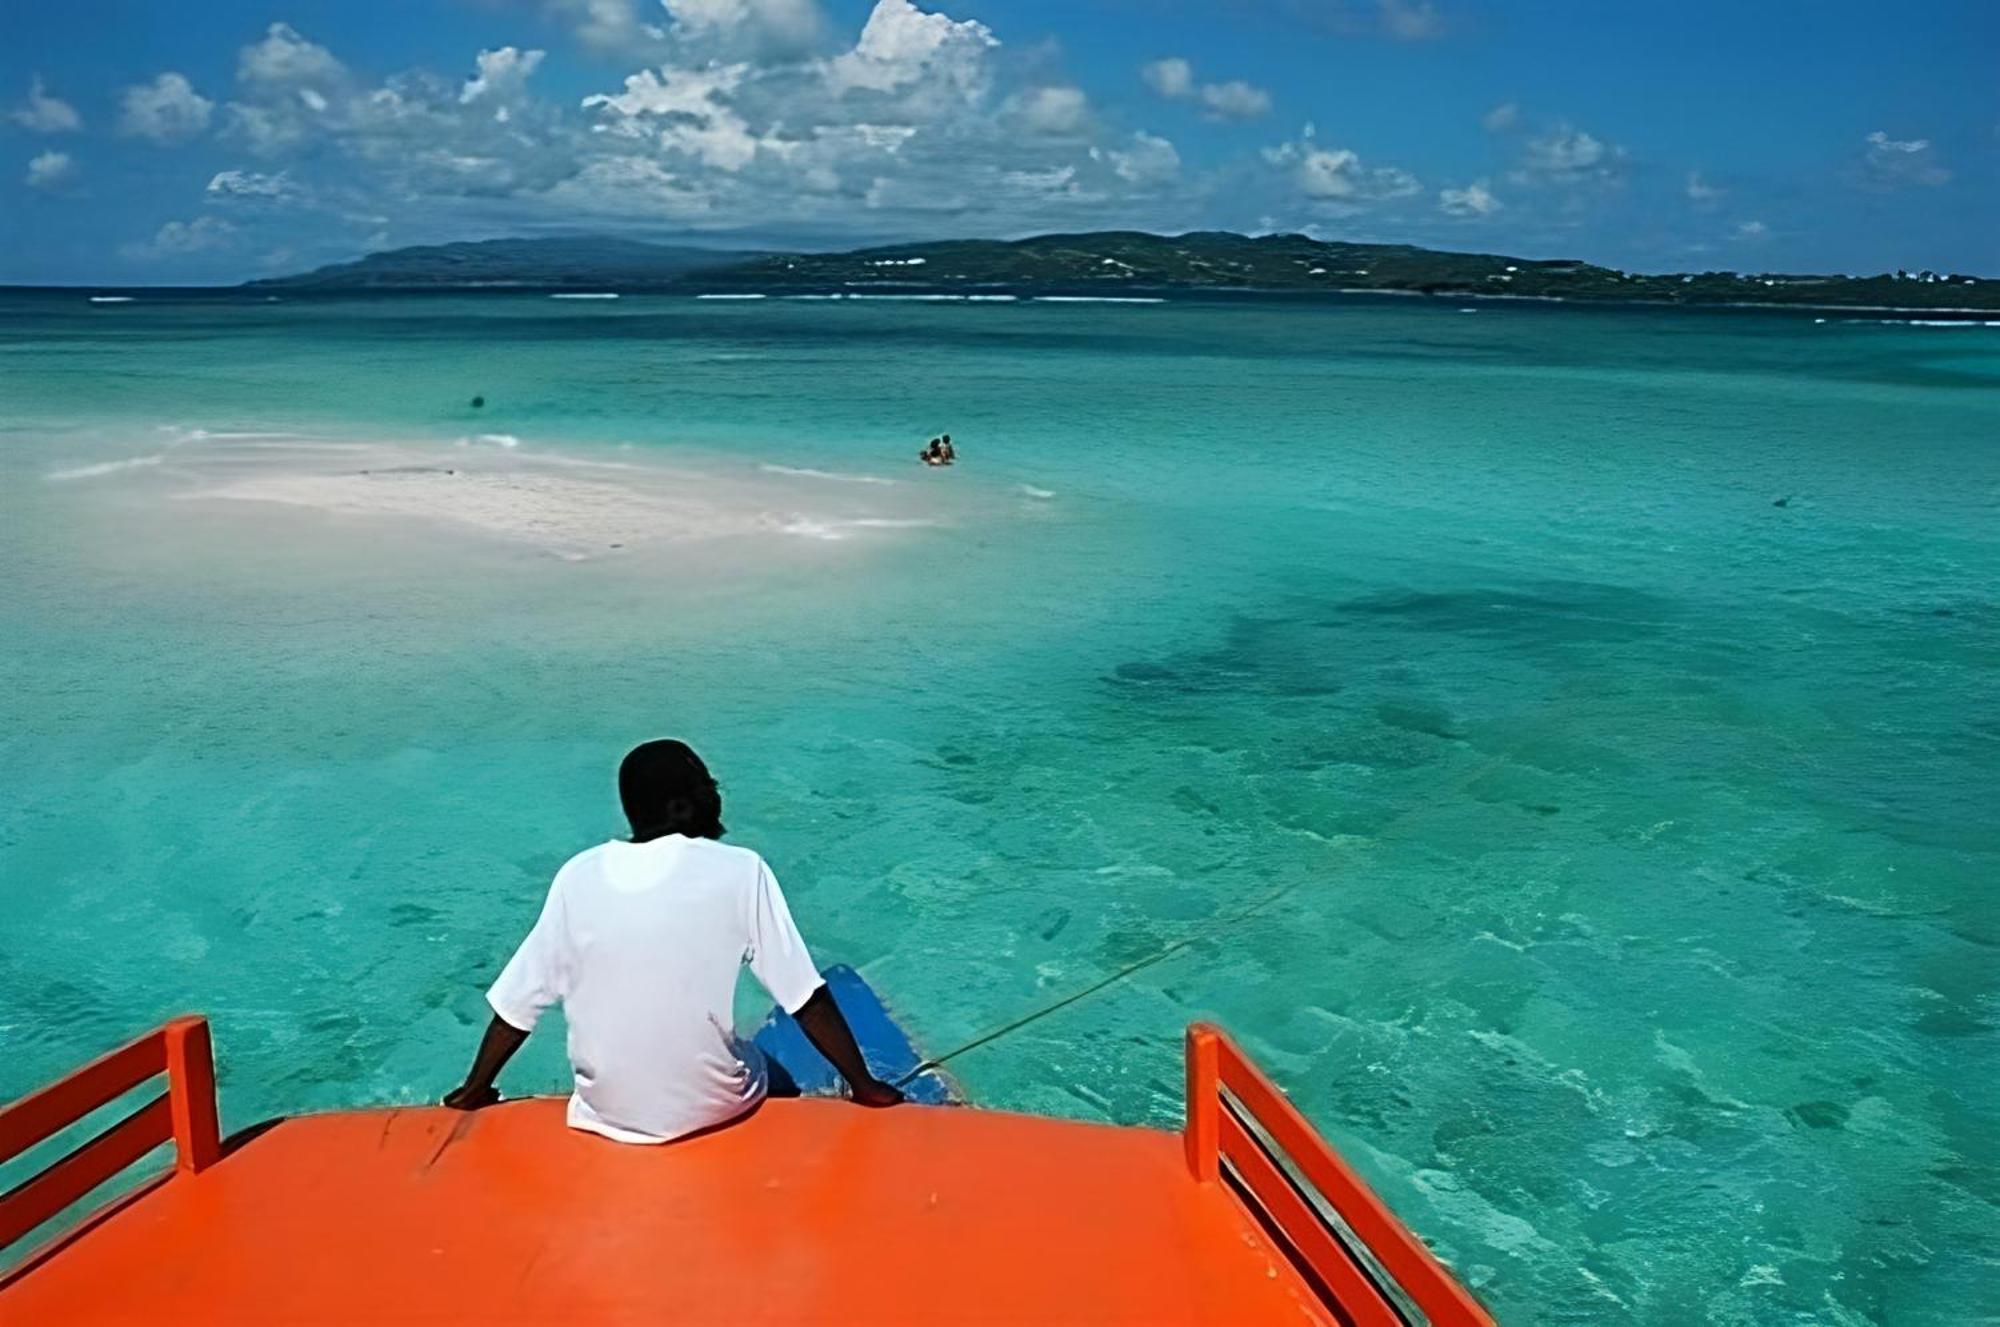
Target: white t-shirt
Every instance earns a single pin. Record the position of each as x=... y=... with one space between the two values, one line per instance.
x=642 y=943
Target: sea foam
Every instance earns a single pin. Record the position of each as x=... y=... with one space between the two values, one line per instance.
x=806 y=472
x=106 y=468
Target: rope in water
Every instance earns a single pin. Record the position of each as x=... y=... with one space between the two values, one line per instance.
x=1121 y=974
x=1168 y=951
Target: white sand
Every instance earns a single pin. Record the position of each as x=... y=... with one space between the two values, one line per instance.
x=569 y=506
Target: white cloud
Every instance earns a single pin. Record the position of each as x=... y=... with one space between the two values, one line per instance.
x=1752 y=230
x=411 y=137
x=287 y=86
x=632 y=187
x=612 y=27
x=1567 y=156
x=1234 y=100
x=45 y=114
x=1338 y=175
x=1148 y=162
x=1502 y=118
x=251 y=186
x=50 y=170
x=1059 y=181
x=166 y=110
x=1173 y=78
x=183 y=237
x=902 y=45
x=1058 y=111
x=1474 y=200
x=502 y=76
x=1699 y=190
x=893 y=193
x=900 y=127
x=1410 y=20
x=284 y=59
x=1888 y=163
x=685 y=111
x=1566 y=151
x=747 y=29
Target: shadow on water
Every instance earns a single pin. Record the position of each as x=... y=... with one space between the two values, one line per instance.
x=1550 y=612
x=1274 y=656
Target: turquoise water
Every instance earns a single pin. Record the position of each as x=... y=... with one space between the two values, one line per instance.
x=1627 y=840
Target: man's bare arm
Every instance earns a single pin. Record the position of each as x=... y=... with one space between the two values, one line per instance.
x=502 y=1039
x=826 y=1027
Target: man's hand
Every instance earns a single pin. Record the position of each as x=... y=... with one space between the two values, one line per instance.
x=502 y=1039
x=468 y=1097
x=875 y=1092
x=826 y=1028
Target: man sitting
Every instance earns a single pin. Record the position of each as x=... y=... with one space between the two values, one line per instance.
x=642 y=940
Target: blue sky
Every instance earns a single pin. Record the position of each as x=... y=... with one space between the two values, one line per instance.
x=226 y=139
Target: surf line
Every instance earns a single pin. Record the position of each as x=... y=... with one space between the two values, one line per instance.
x=1185 y=942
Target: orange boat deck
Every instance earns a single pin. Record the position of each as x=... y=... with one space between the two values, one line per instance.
x=808 y=1211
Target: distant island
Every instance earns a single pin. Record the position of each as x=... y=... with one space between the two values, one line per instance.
x=1109 y=263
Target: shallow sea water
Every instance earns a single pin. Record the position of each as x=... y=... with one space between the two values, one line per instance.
x=1625 y=841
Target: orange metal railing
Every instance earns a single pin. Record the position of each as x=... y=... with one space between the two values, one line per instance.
x=1232 y=1109
x=184 y=1114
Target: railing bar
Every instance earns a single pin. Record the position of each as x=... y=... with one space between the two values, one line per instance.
x=1442 y=1300
x=1353 y=1293
x=1327 y=1214
x=35 y=1200
x=43 y=1112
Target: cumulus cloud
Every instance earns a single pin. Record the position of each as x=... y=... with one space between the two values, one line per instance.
x=687 y=112
x=1566 y=157
x=1474 y=200
x=632 y=187
x=748 y=29
x=611 y=27
x=1337 y=175
x=45 y=114
x=502 y=77
x=1502 y=118
x=416 y=135
x=901 y=46
x=50 y=170
x=289 y=90
x=1699 y=190
x=1752 y=230
x=1171 y=77
x=1056 y=111
x=286 y=60
x=1567 y=153
x=721 y=121
x=1398 y=20
x=166 y=110
x=1889 y=163
x=252 y=186
x=1410 y=20
x=1234 y=99
x=178 y=238
x=912 y=117
x=1148 y=161
x=695 y=30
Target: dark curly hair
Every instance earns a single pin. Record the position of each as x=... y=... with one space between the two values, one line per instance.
x=667 y=790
